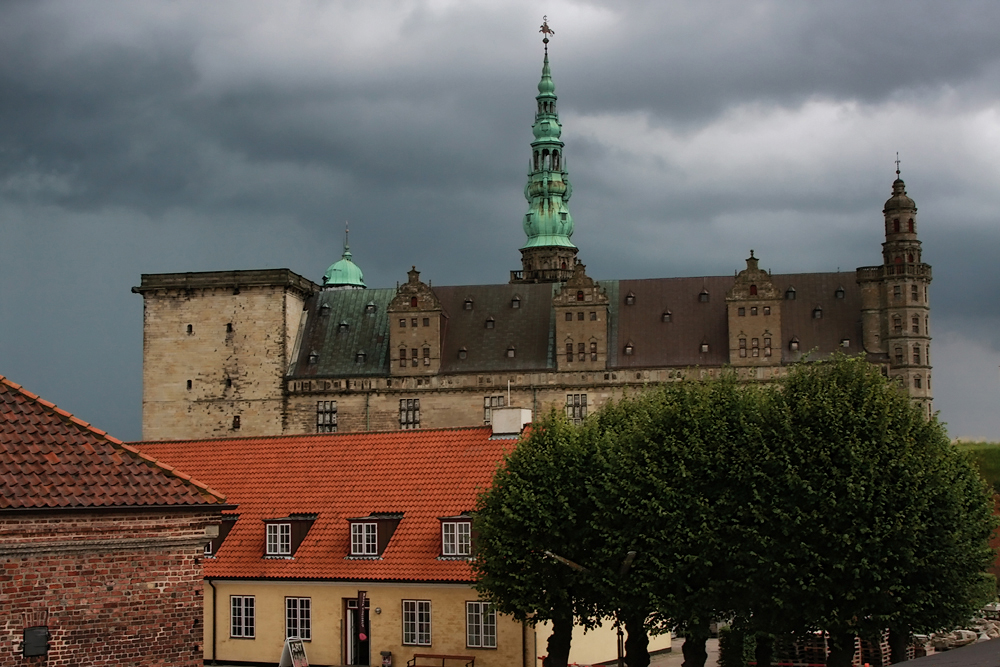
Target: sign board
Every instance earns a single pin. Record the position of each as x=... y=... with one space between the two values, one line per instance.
x=294 y=654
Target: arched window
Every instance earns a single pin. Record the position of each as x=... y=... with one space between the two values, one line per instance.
x=909 y=258
x=413 y=302
x=895 y=226
x=563 y=266
x=753 y=290
x=910 y=225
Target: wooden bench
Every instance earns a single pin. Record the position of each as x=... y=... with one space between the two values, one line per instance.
x=469 y=660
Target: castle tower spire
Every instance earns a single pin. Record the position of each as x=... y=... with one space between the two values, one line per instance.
x=548 y=255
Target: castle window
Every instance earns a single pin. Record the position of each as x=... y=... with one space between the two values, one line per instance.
x=359 y=358
x=402 y=357
x=313 y=357
x=897 y=324
x=402 y=323
x=753 y=290
x=630 y=299
x=743 y=347
x=593 y=351
x=895 y=225
x=490 y=323
x=463 y=353
x=839 y=293
x=236 y=423
x=909 y=258
x=427 y=321
x=897 y=291
x=579 y=317
x=229 y=327
x=741 y=312
x=510 y=352
x=914 y=293
x=927 y=326
x=489 y=404
x=915 y=325
x=409 y=413
x=229 y=383
x=767 y=347
x=753 y=311
x=755 y=347
x=629 y=349
x=909 y=225
x=326 y=416
x=593 y=316
x=917 y=382
x=579 y=296
x=413 y=302
x=413 y=357
x=817 y=313
x=899 y=355
x=793 y=344
x=703 y=296
x=515 y=302
x=767 y=310
x=189 y=384
x=413 y=322
x=666 y=316
x=704 y=347
x=845 y=342
x=916 y=354
x=790 y=294
x=576 y=407
x=467 y=305
x=582 y=351
x=569 y=351
x=569 y=317
x=190 y=329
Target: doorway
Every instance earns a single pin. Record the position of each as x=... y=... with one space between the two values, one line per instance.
x=358 y=625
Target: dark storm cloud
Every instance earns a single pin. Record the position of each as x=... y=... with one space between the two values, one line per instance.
x=176 y=136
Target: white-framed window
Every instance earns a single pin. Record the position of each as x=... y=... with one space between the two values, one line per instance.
x=326 y=416
x=279 y=539
x=298 y=618
x=456 y=538
x=480 y=625
x=241 y=617
x=417 y=622
x=576 y=407
x=490 y=402
x=364 y=539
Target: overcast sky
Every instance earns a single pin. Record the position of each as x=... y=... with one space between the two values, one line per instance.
x=145 y=137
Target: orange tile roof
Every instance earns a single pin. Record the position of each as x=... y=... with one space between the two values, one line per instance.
x=51 y=459
x=425 y=474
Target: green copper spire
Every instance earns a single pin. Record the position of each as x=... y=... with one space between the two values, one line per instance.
x=344 y=274
x=547 y=222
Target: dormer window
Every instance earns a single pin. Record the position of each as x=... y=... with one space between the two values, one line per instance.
x=845 y=342
x=667 y=316
x=630 y=299
x=467 y=305
x=817 y=313
x=359 y=358
x=279 y=539
x=793 y=344
x=463 y=353
x=510 y=352
x=456 y=536
x=364 y=539
x=490 y=323
x=629 y=349
x=370 y=308
x=703 y=296
x=324 y=310
x=790 y=294
x=515 y=302
x=370 y=534
x=284 y=535
x=343 y=327
x=704 y=348
x=313 y=357
x=228 y=521
x=839 y=293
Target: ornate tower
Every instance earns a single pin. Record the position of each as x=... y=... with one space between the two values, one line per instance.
x=896 y=300
x=548 y=255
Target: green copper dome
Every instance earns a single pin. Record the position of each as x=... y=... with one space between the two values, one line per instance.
x=344 y=273
x=548 y=221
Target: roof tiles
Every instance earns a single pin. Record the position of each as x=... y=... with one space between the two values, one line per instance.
x=423 y=474
x=51 y=459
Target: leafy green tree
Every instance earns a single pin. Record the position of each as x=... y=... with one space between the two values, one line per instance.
x=537 y=506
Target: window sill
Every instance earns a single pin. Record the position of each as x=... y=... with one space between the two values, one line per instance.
x=277 y=557
x=359 y=557
x=465 y=558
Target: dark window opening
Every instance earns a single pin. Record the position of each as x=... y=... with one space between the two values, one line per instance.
x=569 y=317
x=703 y=297
x=895 y=226
x=767 y=310
x=190 y=329
x=741 y=312
x=468 y=304
x=427 y=321
x=579 y=296
x=817 y=313
x=515 y=302
x=229 y=327
x=229 y=383
x=490 y=323
x=790 y=294
x=579 y=317
x=910 y=225
x=189 y=384
x=413 y=302
x=236 y=423
x=630 y=299
x=463 y=353
x=753 y=311
x=326 y=416
x=666 y=317
x=839 y=293
x=402 y=323
x=629 y=349
x=753 y=290
x=359 y=358
x=593 y=316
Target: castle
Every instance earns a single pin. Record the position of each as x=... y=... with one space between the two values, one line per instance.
x=270 y=352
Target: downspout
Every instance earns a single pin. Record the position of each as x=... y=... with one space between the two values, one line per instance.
x=368 y=418
x=209 y=581
x=534 y=403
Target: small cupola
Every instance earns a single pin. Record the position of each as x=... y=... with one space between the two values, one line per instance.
x=344 y=273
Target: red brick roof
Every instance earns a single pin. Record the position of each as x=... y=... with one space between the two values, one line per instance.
x=425 y=474
x=51 y=459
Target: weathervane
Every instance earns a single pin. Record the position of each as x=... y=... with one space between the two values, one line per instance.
x=546 y=30
x=347 y=233
x=897 y=164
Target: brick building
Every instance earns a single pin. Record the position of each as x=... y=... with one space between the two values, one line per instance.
x=271 y=352
x=100 y=546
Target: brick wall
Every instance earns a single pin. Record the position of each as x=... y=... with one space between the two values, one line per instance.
x=114 y=588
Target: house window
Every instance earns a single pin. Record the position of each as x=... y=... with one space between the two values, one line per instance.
x=489 y=403
x=703 y=296
x=456 y=538
x=427 y=321
x=917 y=382
x=298 y=618
x=490 y=323
x=897 y=291
x=915 y=325
x=914 y=293
x=413 y=356
x=582 y=350
x=743 y=347
x=417 y=622
x=576 y=407
x=753 y=311
x=326 y=416
x=480 y=625
x=413 y=322
x=409 y=413
x=767 y=347
x=790 y=294
x=767 y=310
x=741 y=312
x=279 y=539
x=755 y=345
x=667 y=316
x=241 y=616
x=364 y=539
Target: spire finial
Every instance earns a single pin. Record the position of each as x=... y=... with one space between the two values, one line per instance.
x=546 y=31
x=897 y=164
x=751 y=253
x=347 y=234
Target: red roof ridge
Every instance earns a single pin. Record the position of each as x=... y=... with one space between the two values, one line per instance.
x=206 y=492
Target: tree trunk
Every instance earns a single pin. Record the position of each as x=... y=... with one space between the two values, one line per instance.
x=636 y=643
x=763 y=651
x=841 y=650
x=899 y=640
x=694 y=651
x=559 y=640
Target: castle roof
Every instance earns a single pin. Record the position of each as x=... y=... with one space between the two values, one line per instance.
x=422 y=475
x=344 y=272
x=50 y=459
